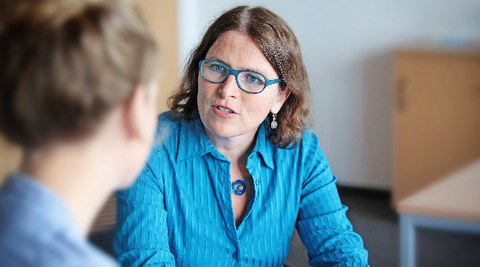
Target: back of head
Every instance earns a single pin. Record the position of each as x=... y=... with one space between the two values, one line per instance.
x=66 y=63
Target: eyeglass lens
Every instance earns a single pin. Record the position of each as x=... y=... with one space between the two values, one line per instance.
x=217 y=72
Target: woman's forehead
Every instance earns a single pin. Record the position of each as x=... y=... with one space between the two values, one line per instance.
x=238 y=50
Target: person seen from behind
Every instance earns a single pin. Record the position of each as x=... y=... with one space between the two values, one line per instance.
x=78 y=95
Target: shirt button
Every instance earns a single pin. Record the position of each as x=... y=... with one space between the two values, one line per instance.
x=257 y=182
x=234 y=255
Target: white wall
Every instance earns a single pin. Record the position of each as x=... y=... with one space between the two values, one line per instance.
x=347 y=48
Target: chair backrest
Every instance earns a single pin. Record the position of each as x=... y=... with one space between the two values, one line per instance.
x=103 y=229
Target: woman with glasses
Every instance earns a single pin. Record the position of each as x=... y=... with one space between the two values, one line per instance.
x=238 y=169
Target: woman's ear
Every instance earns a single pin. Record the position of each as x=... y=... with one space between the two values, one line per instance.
x=135 y=110
x=140 y=112
x=281 y=98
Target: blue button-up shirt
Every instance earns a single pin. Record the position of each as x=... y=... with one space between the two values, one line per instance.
x=179 y=211
x=38 y=230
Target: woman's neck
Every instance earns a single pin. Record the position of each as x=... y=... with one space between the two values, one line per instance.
x=78 y=174
x=236 y=149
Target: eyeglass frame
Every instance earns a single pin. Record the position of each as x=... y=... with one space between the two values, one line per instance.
x=235 y=73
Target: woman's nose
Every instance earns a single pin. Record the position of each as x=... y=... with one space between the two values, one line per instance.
x=229 y=88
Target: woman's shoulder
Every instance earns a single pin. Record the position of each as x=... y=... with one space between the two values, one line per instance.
x=171 y=128
x=168 y=118
x=308 y=135
x=308 y=145
x=169 y=124
x=308 y=138
x=167 y=130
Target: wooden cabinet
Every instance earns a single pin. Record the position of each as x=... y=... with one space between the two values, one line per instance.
x=162 y=19
x=9 y=158
x=436 y=124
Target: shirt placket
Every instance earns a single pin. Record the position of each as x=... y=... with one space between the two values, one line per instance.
x=224 y=190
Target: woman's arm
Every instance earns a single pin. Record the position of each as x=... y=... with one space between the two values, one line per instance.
x=142 y=234
x=322 y=223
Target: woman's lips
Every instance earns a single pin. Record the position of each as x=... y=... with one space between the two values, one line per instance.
x=223 y=111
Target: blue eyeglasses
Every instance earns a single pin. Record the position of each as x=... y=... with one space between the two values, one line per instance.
x=250 y=81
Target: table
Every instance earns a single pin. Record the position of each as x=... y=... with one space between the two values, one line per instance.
x=451 y=203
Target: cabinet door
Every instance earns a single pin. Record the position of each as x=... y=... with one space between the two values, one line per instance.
x=161 y=17
x=436 y=117
x=9 y=158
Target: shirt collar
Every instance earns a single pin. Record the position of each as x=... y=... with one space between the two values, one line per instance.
x=194 y=142
x=42 y=201
x=263 y=146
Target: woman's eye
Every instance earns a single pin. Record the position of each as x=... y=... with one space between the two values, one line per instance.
x=217 y=67
x=253 y=79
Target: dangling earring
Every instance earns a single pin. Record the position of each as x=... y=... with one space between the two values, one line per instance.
x=274 y=123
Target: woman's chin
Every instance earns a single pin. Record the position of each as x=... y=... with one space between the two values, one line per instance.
x=220 y=132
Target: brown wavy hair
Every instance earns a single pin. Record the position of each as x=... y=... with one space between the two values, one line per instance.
x=65 y=64
x=279 y=45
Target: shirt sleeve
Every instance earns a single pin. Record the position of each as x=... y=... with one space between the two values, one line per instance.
x=322 y=223
x=142 y=235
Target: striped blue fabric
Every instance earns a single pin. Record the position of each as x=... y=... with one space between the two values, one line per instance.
x=179 y=211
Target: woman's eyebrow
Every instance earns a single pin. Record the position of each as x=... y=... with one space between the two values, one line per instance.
x=219 y=60
x=241 y=68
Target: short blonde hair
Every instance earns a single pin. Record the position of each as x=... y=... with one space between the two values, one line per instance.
x=66 y=63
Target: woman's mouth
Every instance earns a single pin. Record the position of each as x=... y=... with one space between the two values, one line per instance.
x=224 y=110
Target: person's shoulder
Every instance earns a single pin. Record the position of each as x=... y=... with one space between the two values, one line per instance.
x=308 y=136
x=307 y=139
x=169 y=118
x=172 y=125
x=36 y=229
x=306 y=146
x=309 y=145
x=167 y=135
x=168 y=124
x=28 y=241
x=54 y=251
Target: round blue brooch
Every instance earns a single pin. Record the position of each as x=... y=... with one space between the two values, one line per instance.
x=239 y=186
